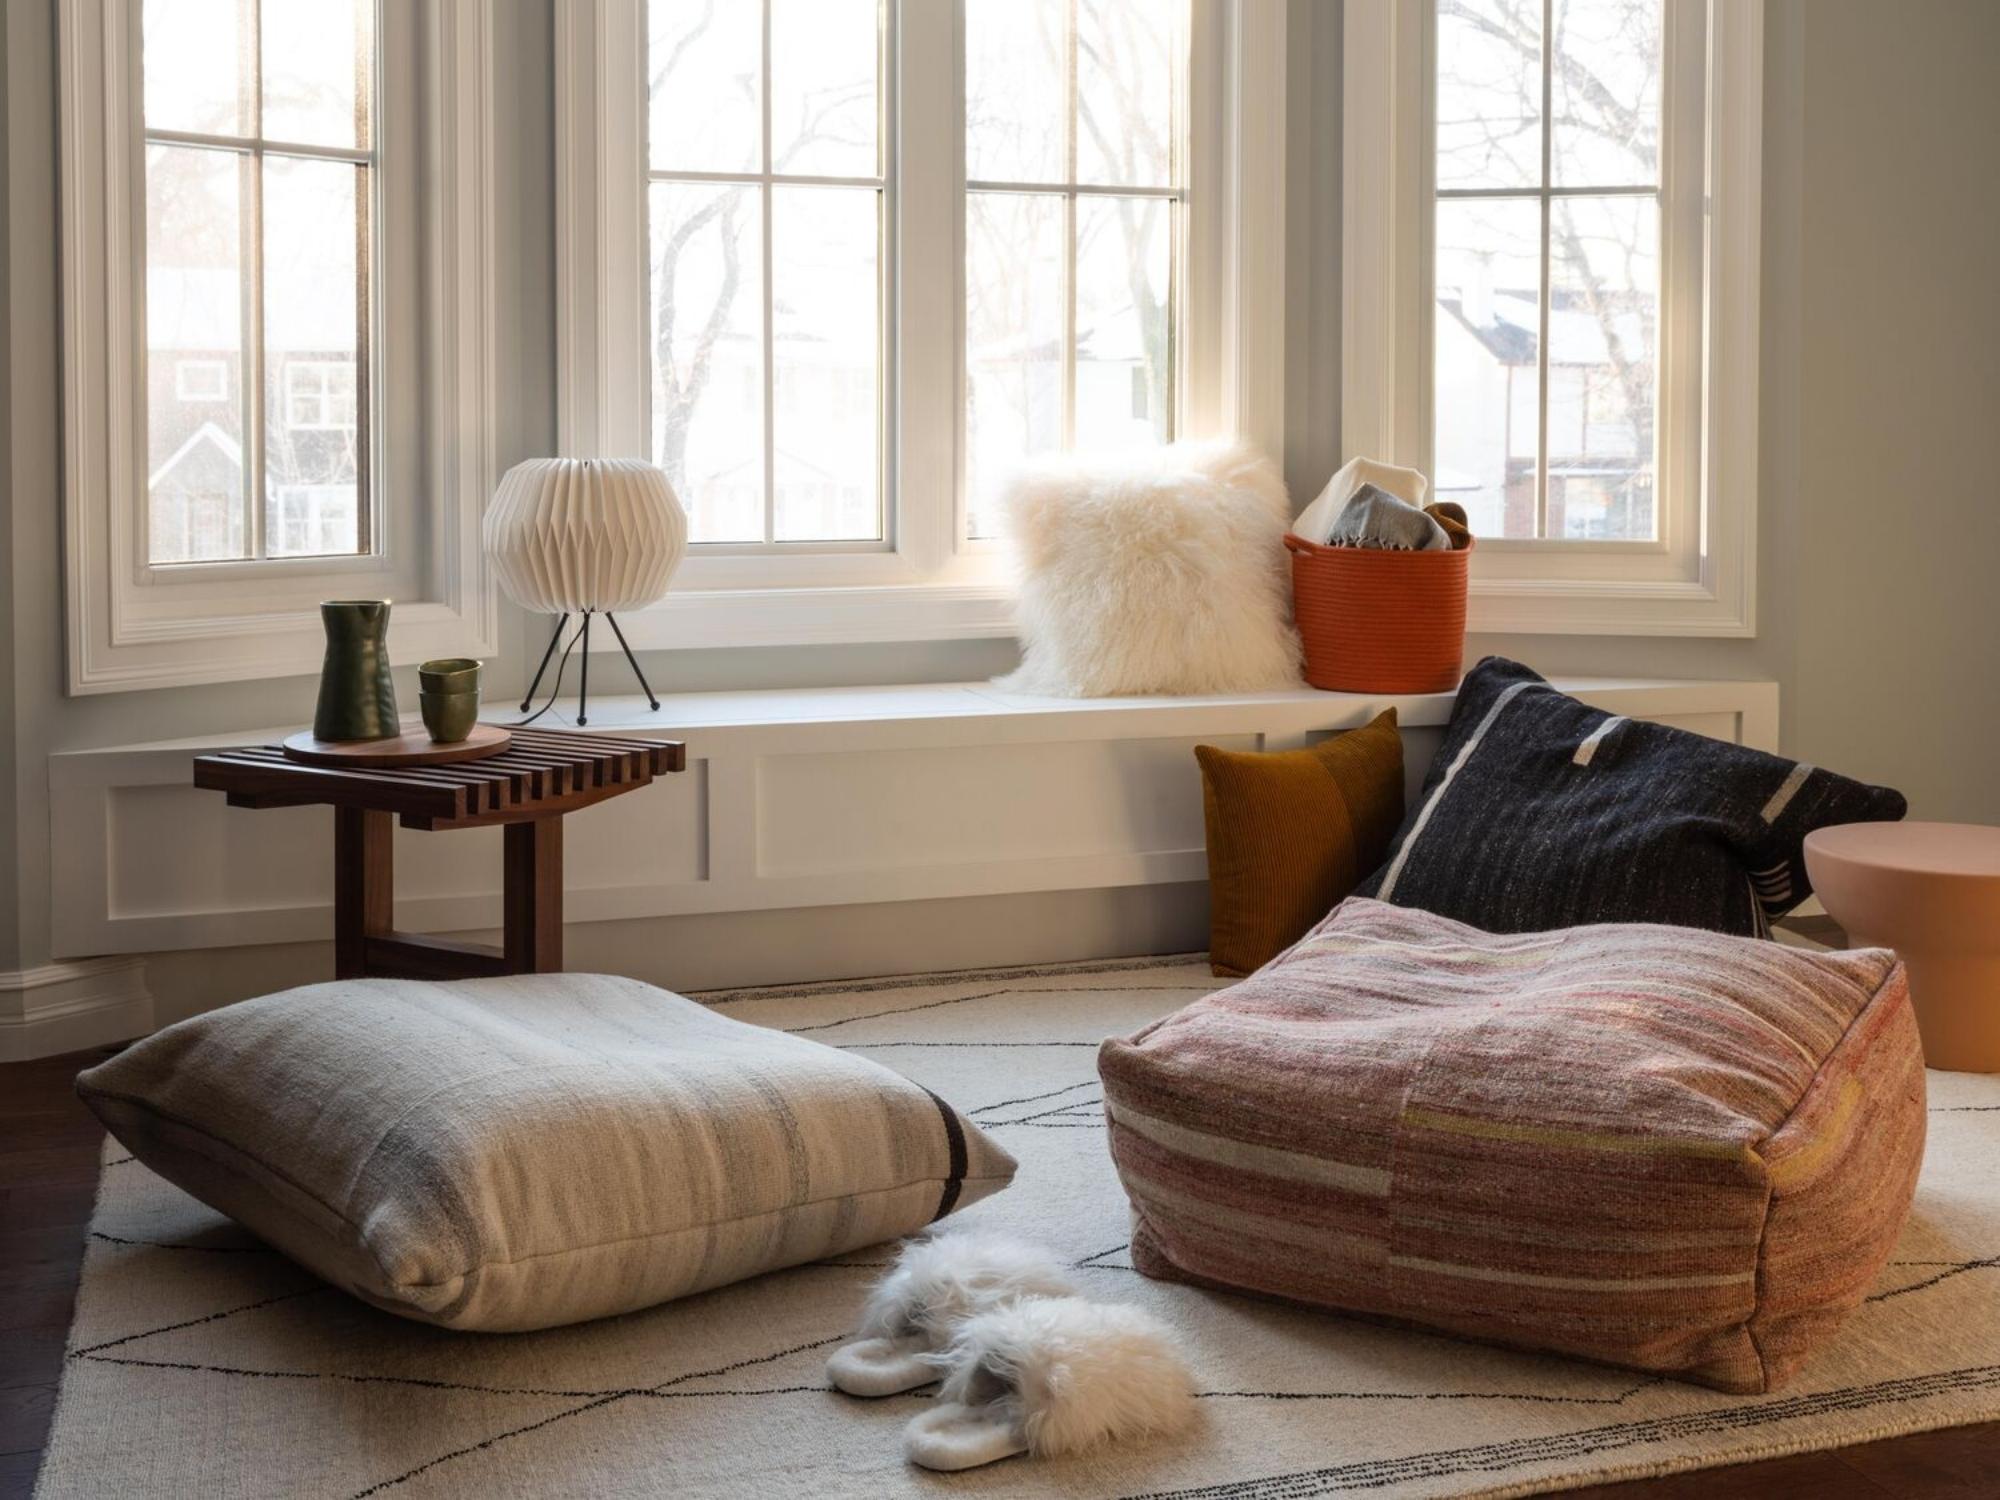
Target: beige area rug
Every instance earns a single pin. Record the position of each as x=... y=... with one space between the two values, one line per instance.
x=203 y=1365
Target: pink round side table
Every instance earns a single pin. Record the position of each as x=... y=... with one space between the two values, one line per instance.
x=1931 y=891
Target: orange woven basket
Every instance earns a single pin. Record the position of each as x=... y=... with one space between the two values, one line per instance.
x=1380 y=621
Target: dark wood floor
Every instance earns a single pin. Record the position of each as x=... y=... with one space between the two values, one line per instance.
x=48 y=1175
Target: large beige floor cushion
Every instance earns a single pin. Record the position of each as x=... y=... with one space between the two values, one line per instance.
x=518 y=1153
x=1654 y=1146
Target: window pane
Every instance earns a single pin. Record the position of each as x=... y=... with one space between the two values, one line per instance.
x=826 y=425
x=1127 y=55
x=1489 y=94
x=1124 y=347
x=1014 y=341
x=1485 y=380
x=704 y=63
x=318 y=55
x=1607 y=92
x=707 y=355
x=194 y=315
x=824 y=57
x=196 y=65
x=314 y=307
x=1604 y=274
x=1014 y=93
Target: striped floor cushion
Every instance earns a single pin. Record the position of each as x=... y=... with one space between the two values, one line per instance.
x=518 y=1153
x=1653 y=1146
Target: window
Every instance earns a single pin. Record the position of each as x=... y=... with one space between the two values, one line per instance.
x=311 y=519
x=319 y=395
x=1073 y=166
x=765 y=228
x=201 y=380
x=260 y=196
x=1547 y=265
x=277 y=297
x=1551 y=229
x=838 y=265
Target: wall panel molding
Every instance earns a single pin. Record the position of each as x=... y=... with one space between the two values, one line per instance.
x=826 y=797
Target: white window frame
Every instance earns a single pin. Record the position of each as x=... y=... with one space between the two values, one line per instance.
x=929 y=582
x=321 y=399
x=132 y=625
x=1698 y=576
x=183 y=387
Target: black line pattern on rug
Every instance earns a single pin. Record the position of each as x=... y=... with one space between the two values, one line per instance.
x=112 y=1239
x=1534 y=1397
x=577 y=1411
x=1067 y=989
x=1089 y=1262
x=643 y=1392
x=497 y=1438
x=1588 y=1442
x=214 y=1317
x=1051 y=1124
x=1068 y=1088
x=420 y=1382
x=119 y=1161
x=1957 y=1268
x=951 y=976
x=1964 y=1109
x=1059 y=1112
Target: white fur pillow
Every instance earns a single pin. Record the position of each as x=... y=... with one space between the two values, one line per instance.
x=1157 y=572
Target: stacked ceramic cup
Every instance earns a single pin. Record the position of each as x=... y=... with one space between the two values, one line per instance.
x=448 y=693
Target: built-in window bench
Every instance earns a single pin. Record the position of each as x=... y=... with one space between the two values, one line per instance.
x=808 y=798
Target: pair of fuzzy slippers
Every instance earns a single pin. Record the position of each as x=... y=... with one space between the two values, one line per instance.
x=1028 y=1366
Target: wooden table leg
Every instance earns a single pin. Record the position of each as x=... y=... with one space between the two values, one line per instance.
x=534 y=892
x=364 y=885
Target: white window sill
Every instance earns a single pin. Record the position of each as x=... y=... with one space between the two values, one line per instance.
x=772 y=713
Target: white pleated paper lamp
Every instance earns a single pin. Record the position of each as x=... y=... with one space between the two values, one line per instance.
x=585 y=536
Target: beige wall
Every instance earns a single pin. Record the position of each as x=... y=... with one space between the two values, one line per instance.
x=1881 y=351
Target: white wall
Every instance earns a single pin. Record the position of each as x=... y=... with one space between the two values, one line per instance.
x=1878 y=518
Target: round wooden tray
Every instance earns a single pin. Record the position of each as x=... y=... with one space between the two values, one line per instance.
x=414 y=749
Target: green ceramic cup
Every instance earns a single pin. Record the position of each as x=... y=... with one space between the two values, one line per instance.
x=449 y=674
x=449 y=716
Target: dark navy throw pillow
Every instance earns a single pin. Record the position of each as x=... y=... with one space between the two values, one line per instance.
x=1541 y=812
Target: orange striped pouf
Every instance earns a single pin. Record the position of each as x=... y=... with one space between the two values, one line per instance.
x=1380 y=621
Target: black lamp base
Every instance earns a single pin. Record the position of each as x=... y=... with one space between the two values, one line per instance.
x=583 y=687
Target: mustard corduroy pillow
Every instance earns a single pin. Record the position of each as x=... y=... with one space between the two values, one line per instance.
x=1291 y=832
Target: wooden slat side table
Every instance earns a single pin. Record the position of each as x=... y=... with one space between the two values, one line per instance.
x=526 y=789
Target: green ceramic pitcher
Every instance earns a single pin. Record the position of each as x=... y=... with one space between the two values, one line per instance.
x=357 y=696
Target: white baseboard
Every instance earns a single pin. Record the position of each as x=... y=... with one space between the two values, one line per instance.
x=65 y=1007
x=721 y=950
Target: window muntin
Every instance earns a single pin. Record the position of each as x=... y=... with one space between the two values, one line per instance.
x=319 y=395
x=1547 y=266
x=260 y=184
x=1075 y=113
x=766 y=271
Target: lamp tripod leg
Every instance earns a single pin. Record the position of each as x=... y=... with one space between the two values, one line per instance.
x=644 y=686
x=583 y=682
x=529 y=696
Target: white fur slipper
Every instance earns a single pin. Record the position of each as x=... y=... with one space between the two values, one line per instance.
x=935 y=1285
x=1049 y=1376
